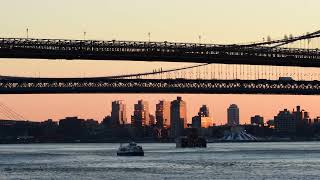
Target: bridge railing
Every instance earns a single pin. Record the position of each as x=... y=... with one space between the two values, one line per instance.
x=157 y=51
x=78 y=85
x=93 y=45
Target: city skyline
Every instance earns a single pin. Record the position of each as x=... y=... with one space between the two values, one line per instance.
x=166 y=21
x=290 y=124
x=159 y=89
x=192 y=110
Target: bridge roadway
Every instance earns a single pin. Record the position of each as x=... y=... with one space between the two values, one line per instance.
x=105 y=85
x=157 y=51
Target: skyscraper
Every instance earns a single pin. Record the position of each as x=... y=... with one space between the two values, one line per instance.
x=233 y=115
x=178 y=118
x=204 y=111
x=285 y=122
x=163 y=114
x=203 y=119
x=151 y=120
x=118 y=113
x=141 y=114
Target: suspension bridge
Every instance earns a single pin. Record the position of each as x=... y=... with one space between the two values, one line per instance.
x=260 y=53
x=8 y=113
x=269 y=67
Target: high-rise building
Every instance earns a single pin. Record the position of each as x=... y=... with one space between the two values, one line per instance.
x=203 y=120
x=118 y=113
x=141 y=114
x=178 y=113
x=233 y=115
x=301 y=115
x=196 y=122
x=204 y=111
x=257 y=120
x=284 y=122
x=316 y=120
x=163 y=114
x=287 y=122
x=133 y=121
x=151 y=120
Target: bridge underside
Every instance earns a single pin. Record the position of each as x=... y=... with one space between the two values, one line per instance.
x=214 y=59
x=157 y=51
x=100 y=85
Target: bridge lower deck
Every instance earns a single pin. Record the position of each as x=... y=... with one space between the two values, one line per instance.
x=103 y=85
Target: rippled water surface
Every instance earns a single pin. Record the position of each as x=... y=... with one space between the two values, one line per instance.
x=162 y=161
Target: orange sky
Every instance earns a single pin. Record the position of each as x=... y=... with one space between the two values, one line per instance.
x=229 y=21
x=41 y=107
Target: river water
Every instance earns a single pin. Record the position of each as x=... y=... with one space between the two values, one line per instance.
x=162 y=161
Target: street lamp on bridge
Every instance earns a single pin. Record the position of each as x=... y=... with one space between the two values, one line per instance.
x=149 y=36
x=27 y=31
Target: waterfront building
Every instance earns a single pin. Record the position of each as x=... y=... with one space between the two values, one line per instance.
x=72 y=126
x=206 y=122
x=301 y=116
x=133 y=122
x=71 y=122
x=257 y=120
x=203 y=119
x=270 y=123
x=118 y=113
x=141 y=115
x=233 y=115
x=204 y=111
x=107 y=121
x=284 y=122
x=163 y=114
x=287 y=122
x=201 y=122
x=152 y=120
x=178 y=113
x=196 y=122
x=316 y=120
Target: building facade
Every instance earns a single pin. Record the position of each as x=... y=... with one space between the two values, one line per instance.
x=152 y=120
x=257 y=120
x=163 y=114
x=284 y=122
x=287 y=122
x=141 y=116
x=204 y=111
x=118 y=113
x=178 y=113
x=233 y=115
x=203 y=119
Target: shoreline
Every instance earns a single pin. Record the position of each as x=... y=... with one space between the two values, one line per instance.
x=154 y=142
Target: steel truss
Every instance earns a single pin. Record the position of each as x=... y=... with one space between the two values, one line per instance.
x=157 y=51
x=101 y=85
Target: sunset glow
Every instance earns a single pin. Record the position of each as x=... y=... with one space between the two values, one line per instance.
x=168 y=20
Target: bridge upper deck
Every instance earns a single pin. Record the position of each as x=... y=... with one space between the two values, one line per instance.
x=157 y=51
